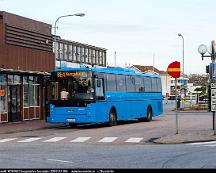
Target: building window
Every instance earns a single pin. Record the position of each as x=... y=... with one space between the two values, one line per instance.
x=3 y=94
x=33 y=91
x=100 y=58
x=82 y=55
x=90 y=56
x=26 y=91
x=93 y=57
x=86 y=56
x=70 y=52
x=96 y=57
x=104 y=58
x=61 y=51
x=65 y=52
x=78 y=54
x=74 y=53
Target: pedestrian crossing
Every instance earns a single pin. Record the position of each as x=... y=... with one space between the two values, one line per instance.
x=71 y=140
x=207 y=144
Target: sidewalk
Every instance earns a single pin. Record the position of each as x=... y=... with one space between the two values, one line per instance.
x=187 y=137
x=24 y=126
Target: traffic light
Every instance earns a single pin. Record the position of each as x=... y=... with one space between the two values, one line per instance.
x=207 y=69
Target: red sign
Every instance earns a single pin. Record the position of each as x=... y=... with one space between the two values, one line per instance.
x=174 y=69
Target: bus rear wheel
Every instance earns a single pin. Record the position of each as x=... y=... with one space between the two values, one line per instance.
x=112 y=118
x=149 y=115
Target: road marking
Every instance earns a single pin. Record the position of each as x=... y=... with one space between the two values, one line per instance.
x=134 y=140
x=81 y=139
x=29 y=140
x=7 y=140
x=63 y=161
x=55 y=139
x=213 y=145
x=203 y=143
x=108 y=139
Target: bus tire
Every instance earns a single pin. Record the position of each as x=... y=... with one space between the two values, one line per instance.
x=149 y=115
x=112 y=118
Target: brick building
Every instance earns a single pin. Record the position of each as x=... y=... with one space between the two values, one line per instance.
x=26 y=56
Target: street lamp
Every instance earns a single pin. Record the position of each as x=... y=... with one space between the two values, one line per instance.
x=183 y=84
x=202 y=49
x=180 y=35
x=55 y=27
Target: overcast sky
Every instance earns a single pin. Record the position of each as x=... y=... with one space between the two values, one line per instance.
x=137 y=30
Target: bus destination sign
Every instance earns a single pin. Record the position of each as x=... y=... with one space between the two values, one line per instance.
x=71 y=74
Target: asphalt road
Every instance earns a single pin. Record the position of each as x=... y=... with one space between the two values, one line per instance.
x=128 y=145
x=62 y=155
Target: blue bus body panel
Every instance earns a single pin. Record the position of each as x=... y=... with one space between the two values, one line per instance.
x=128 y=105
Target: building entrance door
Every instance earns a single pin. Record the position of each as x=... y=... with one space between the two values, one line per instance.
x=14 y=113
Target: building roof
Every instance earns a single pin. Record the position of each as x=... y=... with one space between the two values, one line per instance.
x=151 y=69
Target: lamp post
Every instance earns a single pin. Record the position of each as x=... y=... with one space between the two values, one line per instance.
x=180 y=35
x=202 y=49
x=183 y=88
x=55 y=29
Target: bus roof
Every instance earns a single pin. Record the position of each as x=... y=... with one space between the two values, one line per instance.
x=113 y=70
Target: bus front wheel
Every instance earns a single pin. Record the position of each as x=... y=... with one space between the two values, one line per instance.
x=112 y=118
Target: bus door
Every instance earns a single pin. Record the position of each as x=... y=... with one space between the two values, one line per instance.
x=99 y=89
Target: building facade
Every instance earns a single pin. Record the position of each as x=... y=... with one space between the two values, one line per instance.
x=26 y=57
x=74 y=54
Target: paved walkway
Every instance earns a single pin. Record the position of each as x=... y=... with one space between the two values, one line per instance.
x=23 y=126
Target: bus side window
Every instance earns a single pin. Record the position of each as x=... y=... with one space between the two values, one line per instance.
x=99 y=88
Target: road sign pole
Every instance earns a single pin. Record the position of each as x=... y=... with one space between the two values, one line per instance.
x=174 y=70
x=176 y=105
x=214 y=123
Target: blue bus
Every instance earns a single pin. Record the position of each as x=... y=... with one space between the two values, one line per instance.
x=103 y=95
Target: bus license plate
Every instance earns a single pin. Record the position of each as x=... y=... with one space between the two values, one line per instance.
x=71 y=120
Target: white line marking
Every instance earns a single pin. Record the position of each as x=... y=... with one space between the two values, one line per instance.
x=7 y=139
x=55 y=139
x=81 y=139
x=213 y=145
x=203 y=143
x=29 y=140
x=55 y=160
x=134 y=140
x=108 y=139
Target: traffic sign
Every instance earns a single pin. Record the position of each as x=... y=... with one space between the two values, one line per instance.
x=213 y=85
x=174 y=69
x=213 y=100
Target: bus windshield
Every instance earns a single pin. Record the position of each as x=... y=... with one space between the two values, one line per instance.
x=72 y=86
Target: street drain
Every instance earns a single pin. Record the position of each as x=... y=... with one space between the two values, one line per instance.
x=151 y=140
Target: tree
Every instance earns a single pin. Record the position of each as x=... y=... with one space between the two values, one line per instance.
x=202 y=89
